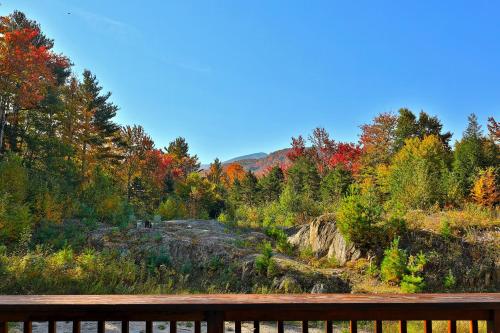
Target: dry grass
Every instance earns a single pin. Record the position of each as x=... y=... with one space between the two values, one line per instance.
x=471 y=215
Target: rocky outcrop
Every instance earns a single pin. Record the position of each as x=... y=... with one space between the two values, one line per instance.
x=212 y=253
x=324 y=239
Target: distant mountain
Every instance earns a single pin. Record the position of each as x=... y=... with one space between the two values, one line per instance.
x=254 y=156
x=258 y=163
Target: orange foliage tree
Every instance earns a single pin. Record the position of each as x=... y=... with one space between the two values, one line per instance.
x=235 y=171
x=485 y=191
x=26 y=70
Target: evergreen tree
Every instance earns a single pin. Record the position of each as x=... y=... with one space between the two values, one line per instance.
x=271 y=185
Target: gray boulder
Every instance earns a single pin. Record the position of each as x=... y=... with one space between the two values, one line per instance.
x=324 y=238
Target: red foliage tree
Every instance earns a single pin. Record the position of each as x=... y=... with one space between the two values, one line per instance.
x=26 y=69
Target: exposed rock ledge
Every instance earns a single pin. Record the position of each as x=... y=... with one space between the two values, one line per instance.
x=324 y=238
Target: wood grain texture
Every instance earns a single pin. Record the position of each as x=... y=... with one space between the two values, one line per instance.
x=240 y=307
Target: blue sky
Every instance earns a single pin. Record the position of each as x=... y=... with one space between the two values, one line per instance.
x=238 y=77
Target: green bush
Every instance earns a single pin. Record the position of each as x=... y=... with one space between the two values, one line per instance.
x=171 y=209
x=394 y=263
x=413 y=281
x=357 y=214
x=263 y=260
x=281 y=239
x=449 y=281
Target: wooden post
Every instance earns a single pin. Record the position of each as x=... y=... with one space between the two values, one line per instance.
x=125 y=326
x=403 y=326
x=428 y=326
x=27 y=327
x=215 y=322
x=474 y=327
x=173 y=326
x=256 y=326
x=149 y=326
x=305 y=326
x=77 y=326
x=101 y=326
x=280 y=326
x=328 y=326
x=3 y=326
x=237 y=326
x=52 y=326
x=197 y=326
x=452 y=326
x=493 y=326
x=353 y=326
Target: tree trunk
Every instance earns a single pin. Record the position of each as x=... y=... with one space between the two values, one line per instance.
x=3 y=112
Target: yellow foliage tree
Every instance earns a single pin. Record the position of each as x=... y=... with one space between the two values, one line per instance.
x=485 y=191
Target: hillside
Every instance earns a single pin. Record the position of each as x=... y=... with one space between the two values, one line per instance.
x=260 y=165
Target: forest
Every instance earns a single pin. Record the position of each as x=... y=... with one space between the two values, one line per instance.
x=67 y=168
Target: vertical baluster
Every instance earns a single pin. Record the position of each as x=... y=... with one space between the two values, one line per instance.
x=428 y=326
x=474 y=327
x=281 y=327
x=328 y=326
x=256 y=326
x=305 y=326
x=237 y=326
x=52 y=326
x=149 y=326
x=76 y=326
x=3 y=326
x=452 y=326
x=27 y=327
x=378 y=326
x=101 y=326
x=493 y=326
x=353 y=326
x=173 y=326
x=402 y=326
x=125 y=326
x=197 y=327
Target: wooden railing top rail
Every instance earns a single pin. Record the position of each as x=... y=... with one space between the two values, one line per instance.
x=490 y=300
x=252 y=307
x=215 y=309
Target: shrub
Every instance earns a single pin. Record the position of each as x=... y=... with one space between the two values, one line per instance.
x=281 y=238
x=263 y=260
x=449 y=281
x=171 y=209
x=414 y=281
x=394 y=263
x=356 y=217
x=445 y=228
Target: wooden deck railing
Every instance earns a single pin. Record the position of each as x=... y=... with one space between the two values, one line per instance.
x=217 y=309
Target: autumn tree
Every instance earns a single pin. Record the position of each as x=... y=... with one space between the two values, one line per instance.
x=234 y=172
x=96 y=131
x=27 y=69
x=216 y=172
x=485 y=189
x=417 y=175
x=179 y=149
x=377 y=140
x=409 y=126
x=135 y=144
